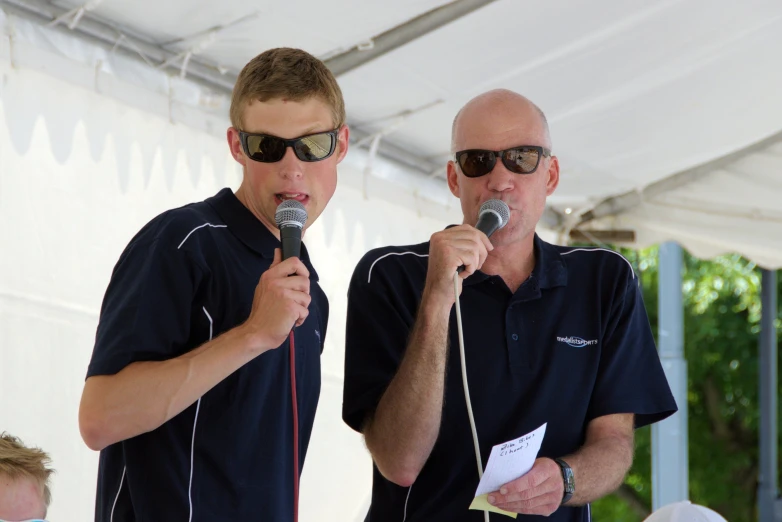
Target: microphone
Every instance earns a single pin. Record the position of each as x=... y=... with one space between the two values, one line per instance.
x=493 y=215
x=290 y=217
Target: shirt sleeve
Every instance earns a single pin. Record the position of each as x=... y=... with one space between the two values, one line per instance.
x=378 y=326
x=147 y=307
x=630 y=376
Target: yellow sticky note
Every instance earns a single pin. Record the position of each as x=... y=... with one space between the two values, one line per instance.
x=481 y=503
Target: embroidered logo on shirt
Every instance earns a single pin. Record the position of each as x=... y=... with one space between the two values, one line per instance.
x=576 y=342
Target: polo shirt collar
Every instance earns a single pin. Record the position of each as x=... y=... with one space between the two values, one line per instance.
x=550 y=268
x=549 y=271
x=250 y=231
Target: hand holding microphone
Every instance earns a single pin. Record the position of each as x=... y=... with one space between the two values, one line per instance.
x=282 y=297
x=462 y=249
x=493 y=215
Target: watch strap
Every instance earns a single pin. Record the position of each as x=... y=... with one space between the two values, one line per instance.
x=568 y=480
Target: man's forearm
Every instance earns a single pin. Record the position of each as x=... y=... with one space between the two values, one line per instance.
x=144 y=395
x=406 y=423
x=599 y=468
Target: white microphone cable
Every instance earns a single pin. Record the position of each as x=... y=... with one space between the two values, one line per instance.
x=466 y=386
x=492 y=216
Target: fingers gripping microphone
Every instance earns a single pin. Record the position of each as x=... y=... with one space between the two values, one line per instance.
x=290 y=217
x=493 y=215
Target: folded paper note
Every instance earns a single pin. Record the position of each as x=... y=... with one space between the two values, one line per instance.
x=507 y=462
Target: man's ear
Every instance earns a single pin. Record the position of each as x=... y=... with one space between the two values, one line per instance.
x=235 y=146
x=453 y=178
x=553 y=176
x=343 y=139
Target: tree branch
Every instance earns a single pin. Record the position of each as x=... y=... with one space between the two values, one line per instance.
x=712 y=400
x=736 y=437
x=634 y=500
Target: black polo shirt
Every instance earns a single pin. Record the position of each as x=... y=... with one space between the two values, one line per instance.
x=188 y=276
x=571 y=344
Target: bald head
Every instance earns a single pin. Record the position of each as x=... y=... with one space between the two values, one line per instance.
x=499 y=111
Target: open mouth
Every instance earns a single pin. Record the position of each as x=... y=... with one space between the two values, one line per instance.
x=296 y=196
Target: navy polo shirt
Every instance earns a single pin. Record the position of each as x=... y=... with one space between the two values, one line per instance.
x=188 y=276
x=573 y=343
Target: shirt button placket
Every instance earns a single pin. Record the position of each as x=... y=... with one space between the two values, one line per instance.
x=511 y=323
x=518 y=351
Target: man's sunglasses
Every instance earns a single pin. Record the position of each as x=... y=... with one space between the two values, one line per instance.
x=269 y=149
x=520 y=160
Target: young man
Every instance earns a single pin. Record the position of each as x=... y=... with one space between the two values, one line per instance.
x=24 y=480
x=188 y=394
x=552 y=335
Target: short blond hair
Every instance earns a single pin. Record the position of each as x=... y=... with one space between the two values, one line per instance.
x=18 y=461
x=286 y=73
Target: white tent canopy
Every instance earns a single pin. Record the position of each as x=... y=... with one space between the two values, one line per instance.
x=666 y=117
x=636 y=93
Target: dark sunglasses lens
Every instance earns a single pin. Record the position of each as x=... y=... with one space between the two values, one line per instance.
x=267 y=149
x=476 y=163
x=315 y=148
x=521 y=160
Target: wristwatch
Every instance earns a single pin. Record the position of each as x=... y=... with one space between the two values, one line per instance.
x=567 y=478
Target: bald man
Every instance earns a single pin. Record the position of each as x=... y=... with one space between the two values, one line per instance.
x=553 y=335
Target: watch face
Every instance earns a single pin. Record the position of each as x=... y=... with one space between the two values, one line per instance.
x=567 y=477
x=570 y=483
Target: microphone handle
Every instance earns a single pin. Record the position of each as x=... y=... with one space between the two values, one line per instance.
x=290 y=237
x=488 y=223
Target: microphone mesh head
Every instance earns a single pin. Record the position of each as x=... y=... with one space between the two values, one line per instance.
x=290 y=213
x=498 y=206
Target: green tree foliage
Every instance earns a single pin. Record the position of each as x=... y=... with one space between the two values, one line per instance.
x=721 y=323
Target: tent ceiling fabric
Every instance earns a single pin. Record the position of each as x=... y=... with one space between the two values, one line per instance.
x=635 y=92
x=244 y=28
x=730 y=205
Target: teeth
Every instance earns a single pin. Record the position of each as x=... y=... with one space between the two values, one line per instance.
x=291 y=196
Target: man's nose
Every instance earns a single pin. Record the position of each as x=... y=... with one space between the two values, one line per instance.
x=290 y=166
x=500 y=178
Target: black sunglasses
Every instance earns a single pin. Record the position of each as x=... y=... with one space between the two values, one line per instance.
x=520 y=160
x=269 y=149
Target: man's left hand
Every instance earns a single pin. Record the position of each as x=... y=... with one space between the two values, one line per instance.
x=539 y=492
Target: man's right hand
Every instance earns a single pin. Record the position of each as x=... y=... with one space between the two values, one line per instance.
x=281 y=301
x=448 y=250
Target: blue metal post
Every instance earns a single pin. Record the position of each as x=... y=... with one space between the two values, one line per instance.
x=769 y=505
x=670 y=474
